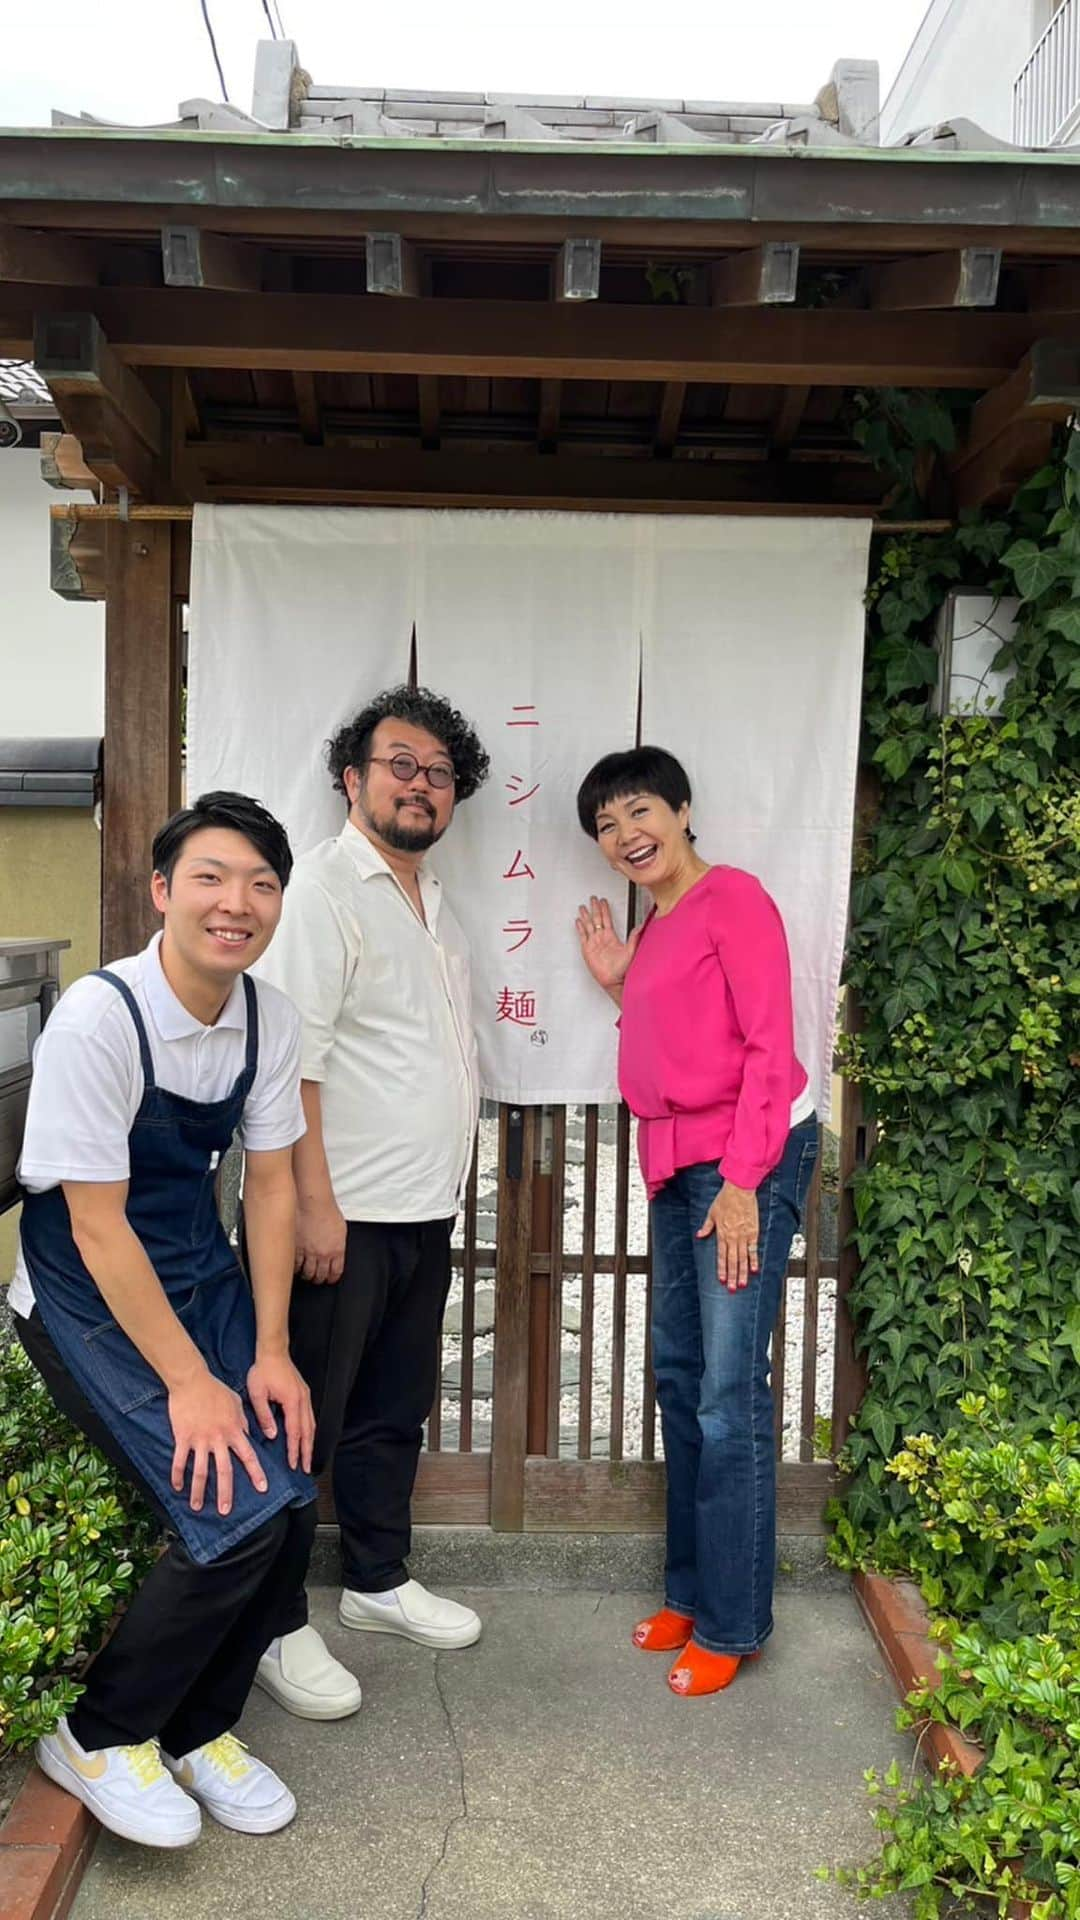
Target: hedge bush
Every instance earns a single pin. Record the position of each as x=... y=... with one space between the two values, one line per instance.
x=999 y=1515
x=74 y=1541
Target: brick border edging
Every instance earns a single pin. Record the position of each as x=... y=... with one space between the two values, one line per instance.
x=45 y=1845
x=899 y=1620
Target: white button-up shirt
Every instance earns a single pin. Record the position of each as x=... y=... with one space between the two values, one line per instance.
x=387 y=1029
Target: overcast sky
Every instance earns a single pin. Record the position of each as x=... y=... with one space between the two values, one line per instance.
x=134 y=60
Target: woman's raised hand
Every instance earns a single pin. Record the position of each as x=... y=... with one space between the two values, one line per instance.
x=606 y=956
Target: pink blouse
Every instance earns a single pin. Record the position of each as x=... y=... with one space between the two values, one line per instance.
x=706 y=1047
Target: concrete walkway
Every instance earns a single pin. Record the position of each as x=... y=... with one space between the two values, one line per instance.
x=548 y=1774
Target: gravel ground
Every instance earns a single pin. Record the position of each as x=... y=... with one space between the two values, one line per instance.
x=602 y=1309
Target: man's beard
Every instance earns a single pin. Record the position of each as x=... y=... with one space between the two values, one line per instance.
x=404 y=839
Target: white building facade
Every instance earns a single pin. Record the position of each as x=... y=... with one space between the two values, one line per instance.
x=52 y=651
x=1011 y=66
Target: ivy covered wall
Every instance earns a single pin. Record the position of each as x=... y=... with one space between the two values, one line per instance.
x=965 y=959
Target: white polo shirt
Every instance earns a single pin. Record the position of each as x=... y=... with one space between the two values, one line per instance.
x=88 y=1079
x=388 y=1035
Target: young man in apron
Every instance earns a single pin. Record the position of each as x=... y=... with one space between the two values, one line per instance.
x=131 y=1303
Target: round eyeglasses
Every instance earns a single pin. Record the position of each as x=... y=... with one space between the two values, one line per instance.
x=406 y=766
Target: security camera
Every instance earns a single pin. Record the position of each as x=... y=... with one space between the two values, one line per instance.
x=10 y=430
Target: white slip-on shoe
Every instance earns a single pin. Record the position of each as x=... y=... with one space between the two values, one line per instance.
x=236 y=1789
x=126 y=1788
x=302 y=1675
x=413 y=1612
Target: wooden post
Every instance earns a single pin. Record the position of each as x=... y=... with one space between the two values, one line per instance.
x=540 y=1357
x=143 y=647
x=849 y=1375
x=517 y=1128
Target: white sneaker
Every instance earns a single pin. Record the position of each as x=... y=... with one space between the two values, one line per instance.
x=302 y=1675
x=126 y=1788
x=414 y=1613
x=238 y=1790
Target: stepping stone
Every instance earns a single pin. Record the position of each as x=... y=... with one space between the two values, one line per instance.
x=484 y=1315
x=483 y=1369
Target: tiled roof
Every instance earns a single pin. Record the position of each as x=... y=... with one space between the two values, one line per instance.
x=19 y=382
x=286 y=101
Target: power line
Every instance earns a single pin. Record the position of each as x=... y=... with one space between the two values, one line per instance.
x=213 y=47
x=280 y=22
x=269 y=19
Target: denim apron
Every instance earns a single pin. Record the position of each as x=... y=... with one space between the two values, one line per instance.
x=174 y=1147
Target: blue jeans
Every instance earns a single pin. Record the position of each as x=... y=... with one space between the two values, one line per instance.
x=710 y=1357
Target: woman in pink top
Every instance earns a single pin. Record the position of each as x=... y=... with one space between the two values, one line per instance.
x=727 y=1138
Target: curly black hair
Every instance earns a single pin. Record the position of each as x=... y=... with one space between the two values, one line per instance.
x=421 y=708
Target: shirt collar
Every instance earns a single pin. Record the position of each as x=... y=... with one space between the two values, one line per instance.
x=370 y=863
x=170 y=1017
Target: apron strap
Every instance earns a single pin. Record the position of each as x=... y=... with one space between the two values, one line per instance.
x=251 y=1057
x=122 y=988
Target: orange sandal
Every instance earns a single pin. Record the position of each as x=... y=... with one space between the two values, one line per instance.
x=663 y=1632
x=698 y=1671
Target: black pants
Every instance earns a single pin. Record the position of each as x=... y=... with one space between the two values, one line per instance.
x=368 y=1349
x=182 y=1660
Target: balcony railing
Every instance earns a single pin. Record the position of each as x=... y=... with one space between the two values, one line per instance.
x=1046 y=92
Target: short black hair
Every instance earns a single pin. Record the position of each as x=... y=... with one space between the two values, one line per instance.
x=421 y=708
x=232 y=810
x=640 y=770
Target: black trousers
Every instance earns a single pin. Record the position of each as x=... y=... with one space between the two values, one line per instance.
x=368 y=1349
x=182 y=1660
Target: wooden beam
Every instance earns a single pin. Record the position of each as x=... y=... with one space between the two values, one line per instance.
x=110 y=448
x=76 y=558
x=392 y=265
x=62 y=463
x=74 y=357
x=99 y=400
x=307 y=408
x=787 y=417
x=236 y=470
x=577 y=270
x=143 y=648
x=518 y=339
x=1011 y=428
x=1053 y=289
x=758 y=277
x=191 y=257
x=1045 y=385
x=547 y=419
x=428 y=406
x=994 y=475
x=963 y=277
x=668 y=417
x=627 y=1496
x=47 y=258
x=182 y=516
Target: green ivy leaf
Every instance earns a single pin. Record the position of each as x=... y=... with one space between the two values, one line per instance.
x=883 y=1425
x=982 y=807
x=1033 y=569
x=1065 y=620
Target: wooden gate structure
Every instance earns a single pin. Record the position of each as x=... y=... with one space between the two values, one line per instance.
x=534 y=1470
x=652 y=324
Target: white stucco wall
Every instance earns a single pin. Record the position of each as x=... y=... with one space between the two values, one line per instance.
x=963 y=60
x=52 y=651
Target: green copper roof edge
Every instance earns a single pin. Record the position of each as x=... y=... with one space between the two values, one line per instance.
x=422 y=143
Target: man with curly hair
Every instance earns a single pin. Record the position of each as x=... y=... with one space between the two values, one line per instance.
x=372 y=956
